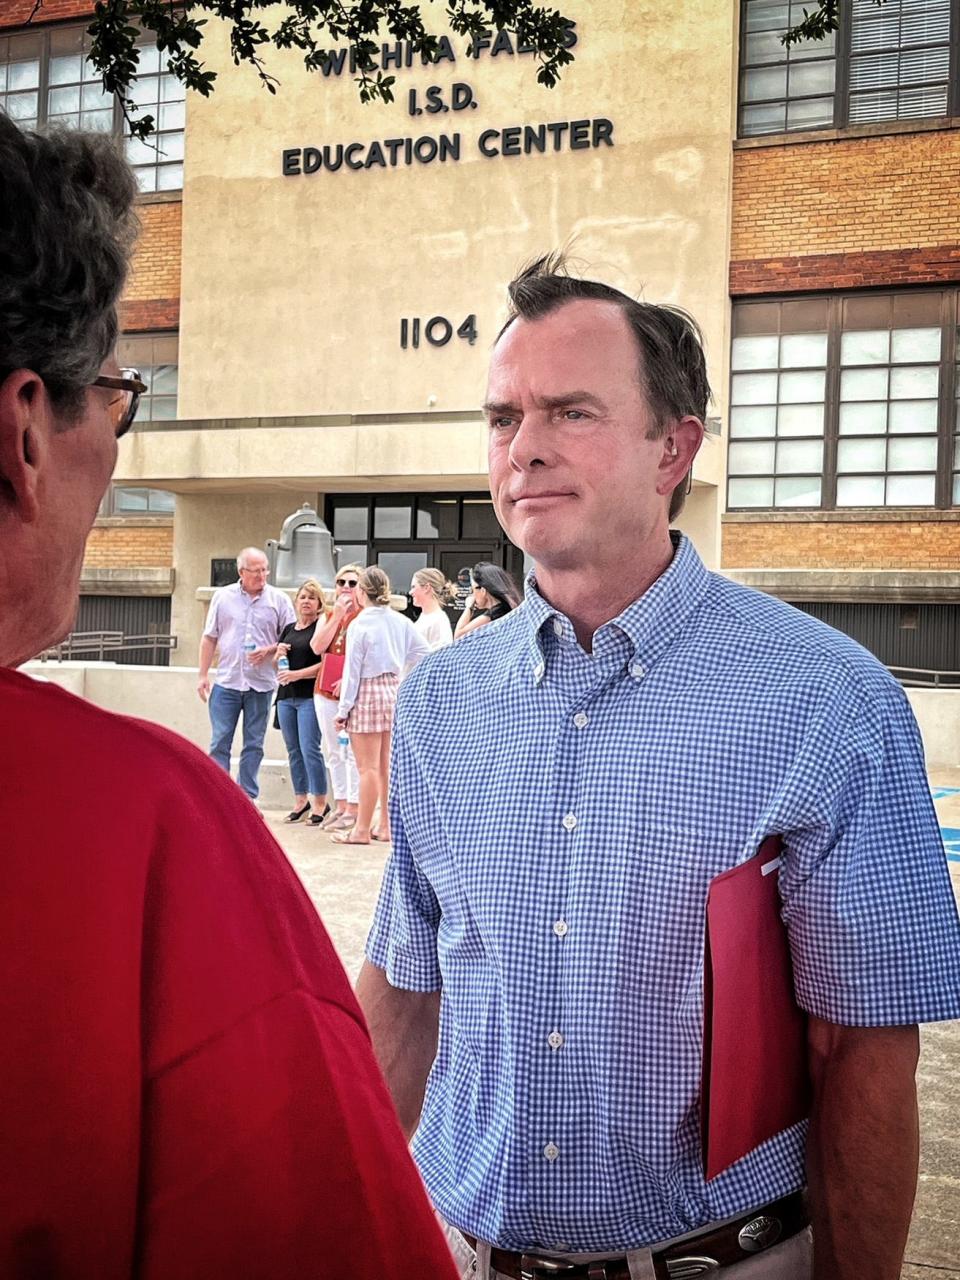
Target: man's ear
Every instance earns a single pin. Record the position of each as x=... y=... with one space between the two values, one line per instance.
x=680 y=446
x=24 y=428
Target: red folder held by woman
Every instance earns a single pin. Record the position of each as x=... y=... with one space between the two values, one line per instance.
x=754 y=1079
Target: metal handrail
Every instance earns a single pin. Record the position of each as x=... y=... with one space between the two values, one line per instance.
x=102 y=643
x=921 y=678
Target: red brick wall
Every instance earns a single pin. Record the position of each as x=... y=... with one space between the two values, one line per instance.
x=151 y=299
x=817 y=271
x=914 y=544
x=849 y=212
x=15 y=12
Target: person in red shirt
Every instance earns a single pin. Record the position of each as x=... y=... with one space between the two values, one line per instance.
x=187 y=1087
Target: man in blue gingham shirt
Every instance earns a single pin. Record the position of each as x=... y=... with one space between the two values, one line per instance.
x=567 y=782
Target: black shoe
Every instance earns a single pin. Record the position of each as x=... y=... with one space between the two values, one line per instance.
x=317 y=818
x=296 y=814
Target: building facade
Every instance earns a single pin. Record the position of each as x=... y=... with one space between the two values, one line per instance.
x=318 y=284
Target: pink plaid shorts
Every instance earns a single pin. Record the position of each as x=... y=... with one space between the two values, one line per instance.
x=373 y=710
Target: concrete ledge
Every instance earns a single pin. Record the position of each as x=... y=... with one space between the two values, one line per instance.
x=142 y=581
x=168 y=696
x=855 y=586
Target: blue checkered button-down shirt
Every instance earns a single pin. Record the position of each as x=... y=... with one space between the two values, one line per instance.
x=557 y=818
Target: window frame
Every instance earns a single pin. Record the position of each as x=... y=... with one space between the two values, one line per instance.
x=841 y=92
x=948 y=408
x=44 y=33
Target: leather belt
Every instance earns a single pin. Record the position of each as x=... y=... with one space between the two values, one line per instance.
x=697 y=1255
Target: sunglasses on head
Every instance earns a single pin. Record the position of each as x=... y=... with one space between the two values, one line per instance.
x=347 y=582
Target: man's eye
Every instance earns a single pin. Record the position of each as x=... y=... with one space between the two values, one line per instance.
x=574 y=415
x=501 y=424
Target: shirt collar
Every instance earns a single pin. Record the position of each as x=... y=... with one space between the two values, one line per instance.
x=650 y=623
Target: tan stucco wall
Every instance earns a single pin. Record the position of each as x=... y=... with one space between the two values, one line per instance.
x=293 y=288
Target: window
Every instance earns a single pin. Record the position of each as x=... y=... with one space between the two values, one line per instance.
x=841 y=402
x=46 y=78
x=891 y=62
x=155 y=355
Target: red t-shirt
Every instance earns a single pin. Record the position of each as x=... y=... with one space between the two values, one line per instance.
x=187 y=1087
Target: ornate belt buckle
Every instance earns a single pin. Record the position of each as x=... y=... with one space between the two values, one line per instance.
x=759 y=1233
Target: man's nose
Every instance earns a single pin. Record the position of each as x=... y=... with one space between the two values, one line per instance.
x=531 y=444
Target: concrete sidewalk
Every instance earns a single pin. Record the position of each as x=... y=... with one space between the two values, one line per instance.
x=343 y=882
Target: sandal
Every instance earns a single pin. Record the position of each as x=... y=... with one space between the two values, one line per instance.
x=343 y=822
x=316 y=819
x=377 y=835
x=296 y=814
x=346 y=837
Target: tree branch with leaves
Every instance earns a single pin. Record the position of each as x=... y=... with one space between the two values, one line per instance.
x=314 y=28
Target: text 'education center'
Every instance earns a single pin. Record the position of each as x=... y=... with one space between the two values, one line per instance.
x=318 y=284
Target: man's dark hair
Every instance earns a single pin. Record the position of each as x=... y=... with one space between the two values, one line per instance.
x=67 y=226
x=672 y=369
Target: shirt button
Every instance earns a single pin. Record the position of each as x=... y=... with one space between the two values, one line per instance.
x=557 y=627
x=554 y=1039
x=551 y=1151
x=538 y=670
x=581 y=719
x=569 y=821
x=561 y=928
x=638 y=671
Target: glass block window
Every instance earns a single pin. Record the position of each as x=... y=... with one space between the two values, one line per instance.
x=158 y=162
x=20 y=65
x=777 y=399
x=888 y=409
x=841 y=402
x=46 y=78
x=886 y=62
x=783 y=89
x=155 y=355
x=142 y=501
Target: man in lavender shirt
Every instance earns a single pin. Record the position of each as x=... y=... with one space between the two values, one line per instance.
x=245 y=620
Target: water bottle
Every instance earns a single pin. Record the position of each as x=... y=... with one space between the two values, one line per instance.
x=343 y=738
x=283 y=664
x=249 y=646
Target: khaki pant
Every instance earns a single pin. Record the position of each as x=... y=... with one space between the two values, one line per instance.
x=792 y=1260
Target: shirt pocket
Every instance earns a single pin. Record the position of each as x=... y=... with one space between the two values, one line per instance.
x=662 y=914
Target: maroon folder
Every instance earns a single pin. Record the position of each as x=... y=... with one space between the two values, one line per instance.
x=331 y=670
x=754 y=1080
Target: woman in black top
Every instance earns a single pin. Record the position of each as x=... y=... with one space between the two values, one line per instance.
x=494 y=595
x=295 y=709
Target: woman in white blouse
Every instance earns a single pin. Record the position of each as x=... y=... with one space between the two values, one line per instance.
x=382 y=646
x=429 y=591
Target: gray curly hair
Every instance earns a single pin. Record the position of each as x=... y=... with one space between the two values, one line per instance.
x=67 y=227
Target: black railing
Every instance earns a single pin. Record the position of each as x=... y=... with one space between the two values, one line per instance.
x=918 y=678
x=104 y=646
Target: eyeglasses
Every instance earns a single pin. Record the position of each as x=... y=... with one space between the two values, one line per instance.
x=260 y=571
x=348 y=582
x=124 y=407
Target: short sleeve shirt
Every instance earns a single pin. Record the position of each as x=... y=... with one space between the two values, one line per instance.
x=557 y=818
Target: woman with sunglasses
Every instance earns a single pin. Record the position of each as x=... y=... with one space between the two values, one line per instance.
x=330 y=642
x=494 y=595
x=382 y=647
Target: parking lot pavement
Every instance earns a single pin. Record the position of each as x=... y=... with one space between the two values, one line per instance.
x=343 y=881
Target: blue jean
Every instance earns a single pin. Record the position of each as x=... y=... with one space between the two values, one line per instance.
x=226 y=707
x=301 y=734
